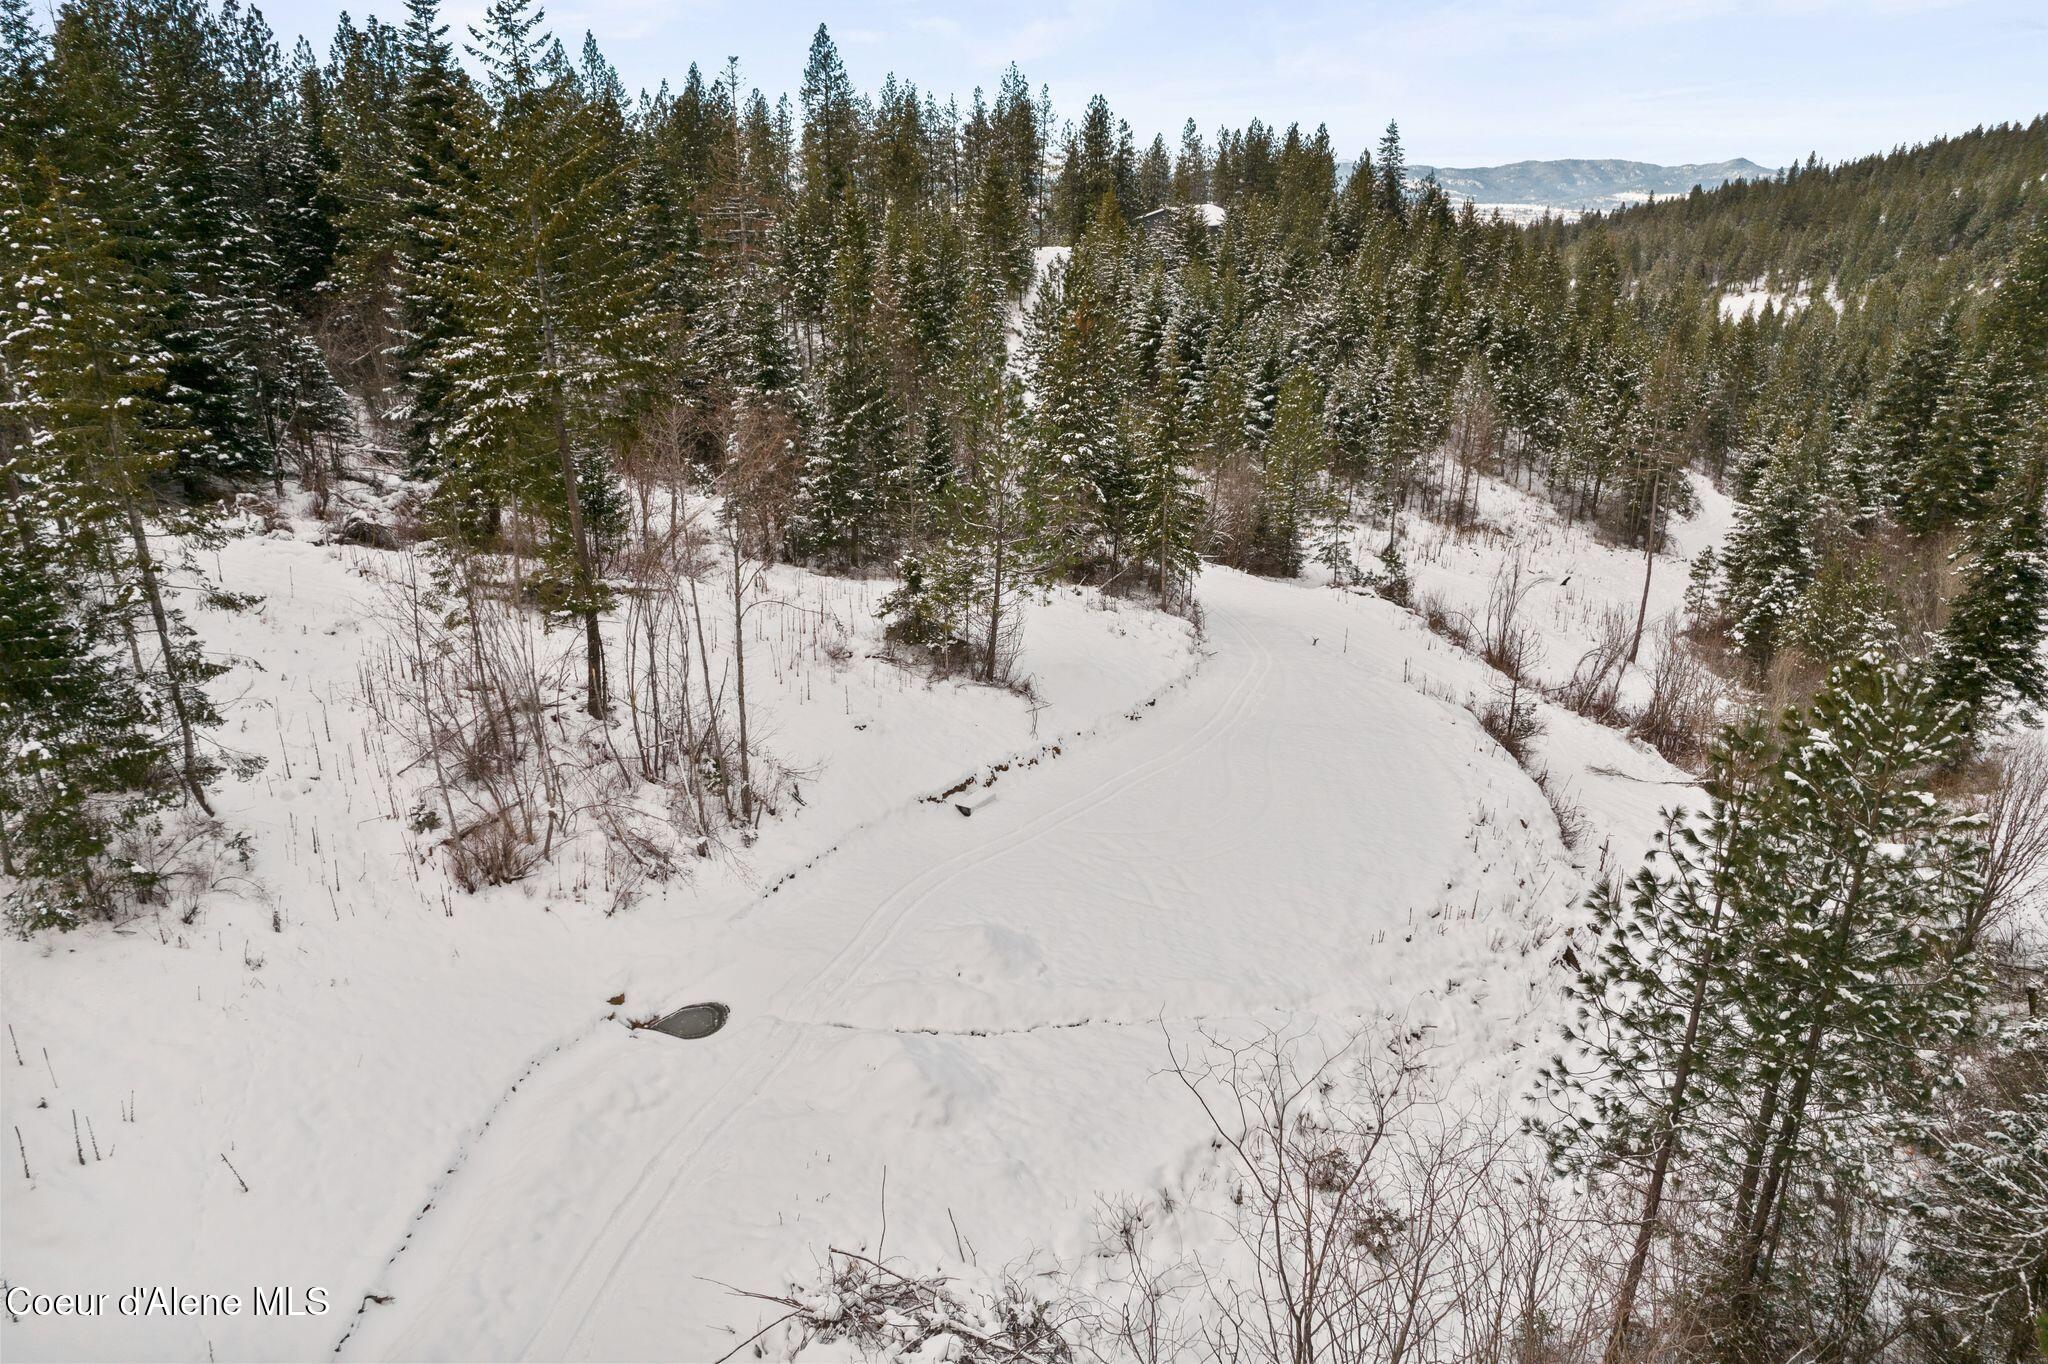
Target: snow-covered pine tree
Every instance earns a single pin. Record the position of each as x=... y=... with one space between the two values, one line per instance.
x=996 y=535
x=1855 y=993
x=853 y=477
x=1654 y=977
x=1078 y=366
x=552 y=307
x=1169 y=523
x=280 y=236
x=305 y=211
x=188 y=232
x=1770 y=556
x=94 y=438
x=1292 y=468
x=999 y=224
x=1988 y=658
x=435 y=132
x=1775 y=1000
x=81 y=757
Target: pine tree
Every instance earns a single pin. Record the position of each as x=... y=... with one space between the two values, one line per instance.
x=1191 y=167
x=23 y=55
x=1766 y=1018
x=1170 y=516
x=1897 y=428
x=1989 y=656
x=1076 y=362
x=80 y=760
x=831 y=124
x=1000 y=227
x=850 y=492
x=93 y=435
x=995 y=548
x=435 y=178
x=1155 y=177
x=552 y=309
x=1653 y=978
x=1393 y=175
x=1770 y=556
x=305 y=217
x=363 y=82
x=1292 y=497
x=1857 y=989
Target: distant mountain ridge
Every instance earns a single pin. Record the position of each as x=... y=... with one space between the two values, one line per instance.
x=1579 y=183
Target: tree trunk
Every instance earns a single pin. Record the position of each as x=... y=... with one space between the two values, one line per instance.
x=995 y=610
x=1649 y=560
x=1777 y=1170
x=173 y=675
x=739 y=656
x=596 y=702
x=1667 y=1148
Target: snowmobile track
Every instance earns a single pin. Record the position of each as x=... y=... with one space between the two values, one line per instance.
x=675 y=1158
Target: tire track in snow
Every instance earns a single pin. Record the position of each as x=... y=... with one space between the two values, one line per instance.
x=983 y=775
x=438 y=1188
x=623 y=1228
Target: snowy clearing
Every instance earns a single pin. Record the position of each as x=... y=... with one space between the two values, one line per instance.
x=431 y=1100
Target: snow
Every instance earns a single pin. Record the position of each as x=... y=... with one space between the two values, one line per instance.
x=430 y=1101
x=1749 y=299
x=1571 y=576
x=977 y=1005
x=1521 y=215
x=1209 y=215
x=1043 y=258
x=340 y=1063
x=1524 y=214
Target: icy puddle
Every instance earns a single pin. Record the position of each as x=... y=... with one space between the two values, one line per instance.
x=693 y=1021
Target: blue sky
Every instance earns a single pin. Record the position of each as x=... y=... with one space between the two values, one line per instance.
x=1472 y=82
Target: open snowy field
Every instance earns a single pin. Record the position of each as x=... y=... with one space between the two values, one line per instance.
x=443 y=1123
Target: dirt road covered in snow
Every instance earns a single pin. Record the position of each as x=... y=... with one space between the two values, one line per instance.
x=980 y=1006
x=340 y=1072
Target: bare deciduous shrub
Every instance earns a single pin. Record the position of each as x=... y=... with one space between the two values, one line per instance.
x=462 y=679
x=1594 y=688
x=485 y=700
x=884 y=1313
x=1684 y=706
x=1377 y=1221
x=1140 y=1307
x=1504 y=642
x=1365 y=1218
x=2015 y=831
x=1509 y=715
x=1442 y=619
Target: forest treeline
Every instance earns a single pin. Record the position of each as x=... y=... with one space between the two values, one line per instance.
x=1924 y=221
x=494 y=269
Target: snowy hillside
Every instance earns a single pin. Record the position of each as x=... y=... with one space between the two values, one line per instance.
x=1578 y=183
x=443 y=1121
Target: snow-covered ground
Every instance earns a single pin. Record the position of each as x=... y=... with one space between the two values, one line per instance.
x=1523 y=214
x=440 y=1123
x=1571 y=579
x=1746 y=300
